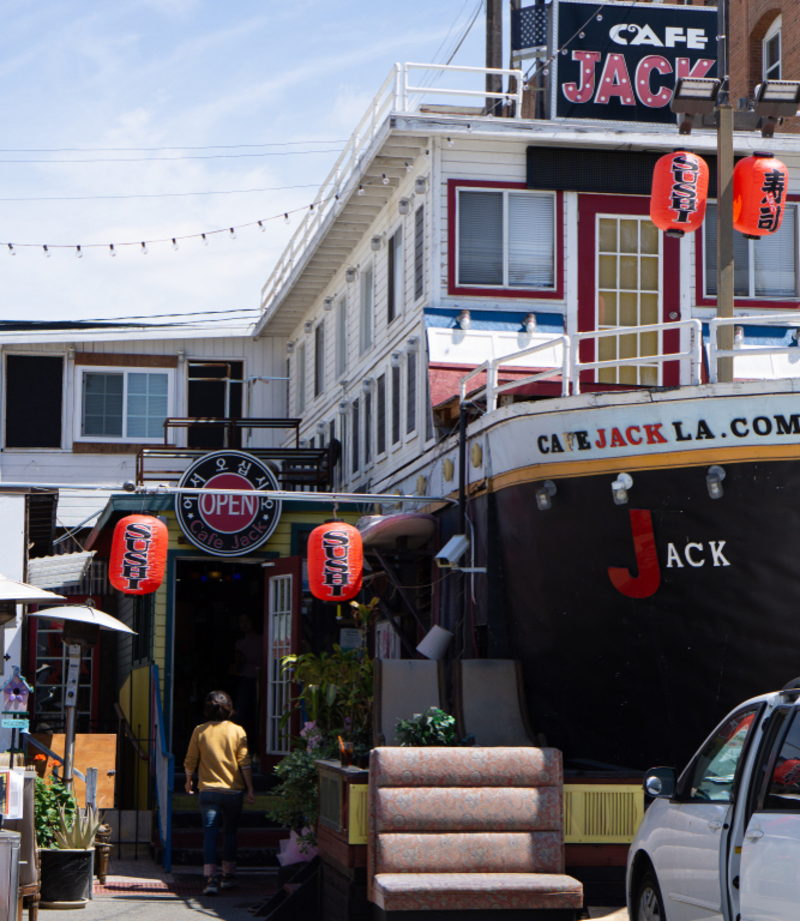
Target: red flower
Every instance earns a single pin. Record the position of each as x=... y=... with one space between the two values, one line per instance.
x=40 y=757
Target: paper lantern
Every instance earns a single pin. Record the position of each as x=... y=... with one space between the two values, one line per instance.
x=138 y=554
x=679 y=193
x=760 y=184
x=335 y=561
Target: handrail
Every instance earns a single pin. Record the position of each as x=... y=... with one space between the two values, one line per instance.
x=714 y=353
x=391 y=98
x=572 y=366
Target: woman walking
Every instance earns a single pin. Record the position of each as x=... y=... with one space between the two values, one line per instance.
x=218 y=750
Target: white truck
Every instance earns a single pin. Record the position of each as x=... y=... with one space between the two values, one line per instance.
x=722 y=841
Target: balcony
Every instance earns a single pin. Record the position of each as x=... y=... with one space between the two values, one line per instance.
x=295 y=468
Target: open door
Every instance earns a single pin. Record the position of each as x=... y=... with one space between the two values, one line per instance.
x=282 y=601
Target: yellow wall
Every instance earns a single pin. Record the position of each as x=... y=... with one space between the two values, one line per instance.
x=134 y=701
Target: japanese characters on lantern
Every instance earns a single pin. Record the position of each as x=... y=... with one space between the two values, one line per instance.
x=335 y=561
x=760 y=184
x=679 y=193
x=138 y=554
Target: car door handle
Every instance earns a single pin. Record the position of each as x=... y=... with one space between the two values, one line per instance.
x=755 y=834
x=715 y=825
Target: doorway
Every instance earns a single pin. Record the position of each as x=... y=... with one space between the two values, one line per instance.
x=214 y=392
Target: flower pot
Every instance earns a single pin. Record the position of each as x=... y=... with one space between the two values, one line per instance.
x=66 y=874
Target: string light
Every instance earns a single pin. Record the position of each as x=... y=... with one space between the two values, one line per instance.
x=261 y=225
x=385 y=179
x=79 y=252
x=205 y=239
x=46 y=251
x=12 y=250
x=286 y=219
x=111 y=250
x=175 y=244
x=233 y=234
x=144 y=248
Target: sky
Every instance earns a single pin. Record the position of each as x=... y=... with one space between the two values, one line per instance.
x=118 y=118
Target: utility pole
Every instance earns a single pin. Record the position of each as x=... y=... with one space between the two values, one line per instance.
x=725 y=267
x=494 y=52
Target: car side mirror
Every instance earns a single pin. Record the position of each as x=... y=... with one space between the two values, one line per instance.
x=660 y=781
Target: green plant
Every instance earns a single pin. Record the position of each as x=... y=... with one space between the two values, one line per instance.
x=433 y=727
x=51 y=799
x=78 y=833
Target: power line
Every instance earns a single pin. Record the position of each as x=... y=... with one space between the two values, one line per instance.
x=154 y=149
x=280 y=188
x=269 y=153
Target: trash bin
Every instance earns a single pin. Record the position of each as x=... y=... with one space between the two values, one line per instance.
x=9 y=875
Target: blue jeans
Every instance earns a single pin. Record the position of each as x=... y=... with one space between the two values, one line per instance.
x=216 y=805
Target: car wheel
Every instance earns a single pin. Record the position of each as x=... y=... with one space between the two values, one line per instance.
x=649 y=903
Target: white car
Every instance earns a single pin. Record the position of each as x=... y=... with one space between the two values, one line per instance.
x=722 y=841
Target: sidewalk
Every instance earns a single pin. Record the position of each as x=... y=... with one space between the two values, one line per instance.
x=140 y=890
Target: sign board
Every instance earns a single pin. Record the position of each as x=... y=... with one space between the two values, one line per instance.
x=228 y=525
x=621 y=62
x=15 y=721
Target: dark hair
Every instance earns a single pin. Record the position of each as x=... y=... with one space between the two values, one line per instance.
x=218 y=706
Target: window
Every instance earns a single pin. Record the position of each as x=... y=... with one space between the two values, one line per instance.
x=215 y=390
x=394 y=283
x=34 y=386
x=419 y=253
x=380 y=432
x=771 y=51
x=365 y=339
x=428 y=410
x=395 y=405
x=765 y=268
x=354 y=438
x=124 y=404
x=319 y=359
x=714 y=771
x=301 y=379
x=341 y=336
x=411 y=392
x=506 y=239
x=783 y=791
x=368 y=427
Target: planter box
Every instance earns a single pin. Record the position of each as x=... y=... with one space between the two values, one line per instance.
x=66 y=874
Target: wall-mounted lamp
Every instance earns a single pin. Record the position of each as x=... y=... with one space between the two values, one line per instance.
x=367 y=383
x=421 y=185
x=529 y=323
x=384 y=179
x=303 y=442
x=350 y=275
x=404 y=206
x=290 y=347
x=738 y=336
x=620 y=487
x=321 y=428
x=464 y=319
x=396 y=359
x=714 y=478
x=375 y=243
x=342 y=409
x=409 y=166
x=412 y=344
x=544 y=495
x=308 y=326
x=328 y=303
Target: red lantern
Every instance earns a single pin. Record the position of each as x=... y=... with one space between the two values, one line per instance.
x=335 y=561
x=679 y=192
x=760 y=184
x=138 y=554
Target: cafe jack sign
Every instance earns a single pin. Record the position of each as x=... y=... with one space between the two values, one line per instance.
x=620 y=62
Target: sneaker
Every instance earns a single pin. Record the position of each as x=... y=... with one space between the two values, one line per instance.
x=228 y=882
x=211 y=886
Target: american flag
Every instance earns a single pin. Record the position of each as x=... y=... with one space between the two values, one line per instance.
x=528 y=31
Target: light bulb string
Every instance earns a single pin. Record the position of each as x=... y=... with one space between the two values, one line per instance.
x=113 y=248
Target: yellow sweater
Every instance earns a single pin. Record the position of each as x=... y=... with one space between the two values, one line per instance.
x=218 y=751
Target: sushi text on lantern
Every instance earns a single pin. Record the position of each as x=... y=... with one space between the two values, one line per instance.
x=769 y=214
x=685 y=171
x=136 y=559
x=336 y=569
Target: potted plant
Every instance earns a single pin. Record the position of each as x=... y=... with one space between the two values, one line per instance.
x=432 y=728
x=66 y=843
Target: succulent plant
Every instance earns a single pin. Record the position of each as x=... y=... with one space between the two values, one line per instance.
x=80 y=834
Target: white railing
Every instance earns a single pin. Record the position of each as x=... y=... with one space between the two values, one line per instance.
x=396 y=96
x=785 y=319
x=571 y=366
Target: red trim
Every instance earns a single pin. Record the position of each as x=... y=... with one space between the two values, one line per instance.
x=589 y=206
x=701 y=300
x=556 y=293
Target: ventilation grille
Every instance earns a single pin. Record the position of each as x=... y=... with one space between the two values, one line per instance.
x=602 y=813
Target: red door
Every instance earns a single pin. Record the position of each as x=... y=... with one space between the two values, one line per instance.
x=629 y=275
x=282 y=604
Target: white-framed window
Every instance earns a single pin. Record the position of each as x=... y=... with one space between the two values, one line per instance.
x=122 y=404
x=301 y=379
x=355 y=432
x=365 y=338
x=367 y=427
x=506 y=239
x=397 y=397
x=763 y=269
x=419 y=252
x=771 y=68
x=341 y=336
x=411 y=392
x=380 y=415
x=319 y=358
x=394 y=275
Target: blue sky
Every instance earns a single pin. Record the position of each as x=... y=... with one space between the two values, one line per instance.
x=180 y=74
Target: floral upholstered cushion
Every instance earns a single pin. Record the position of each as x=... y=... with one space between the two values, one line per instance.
x=483 y=891
x=467 y=809
x=540 y=852
x=466 y=767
